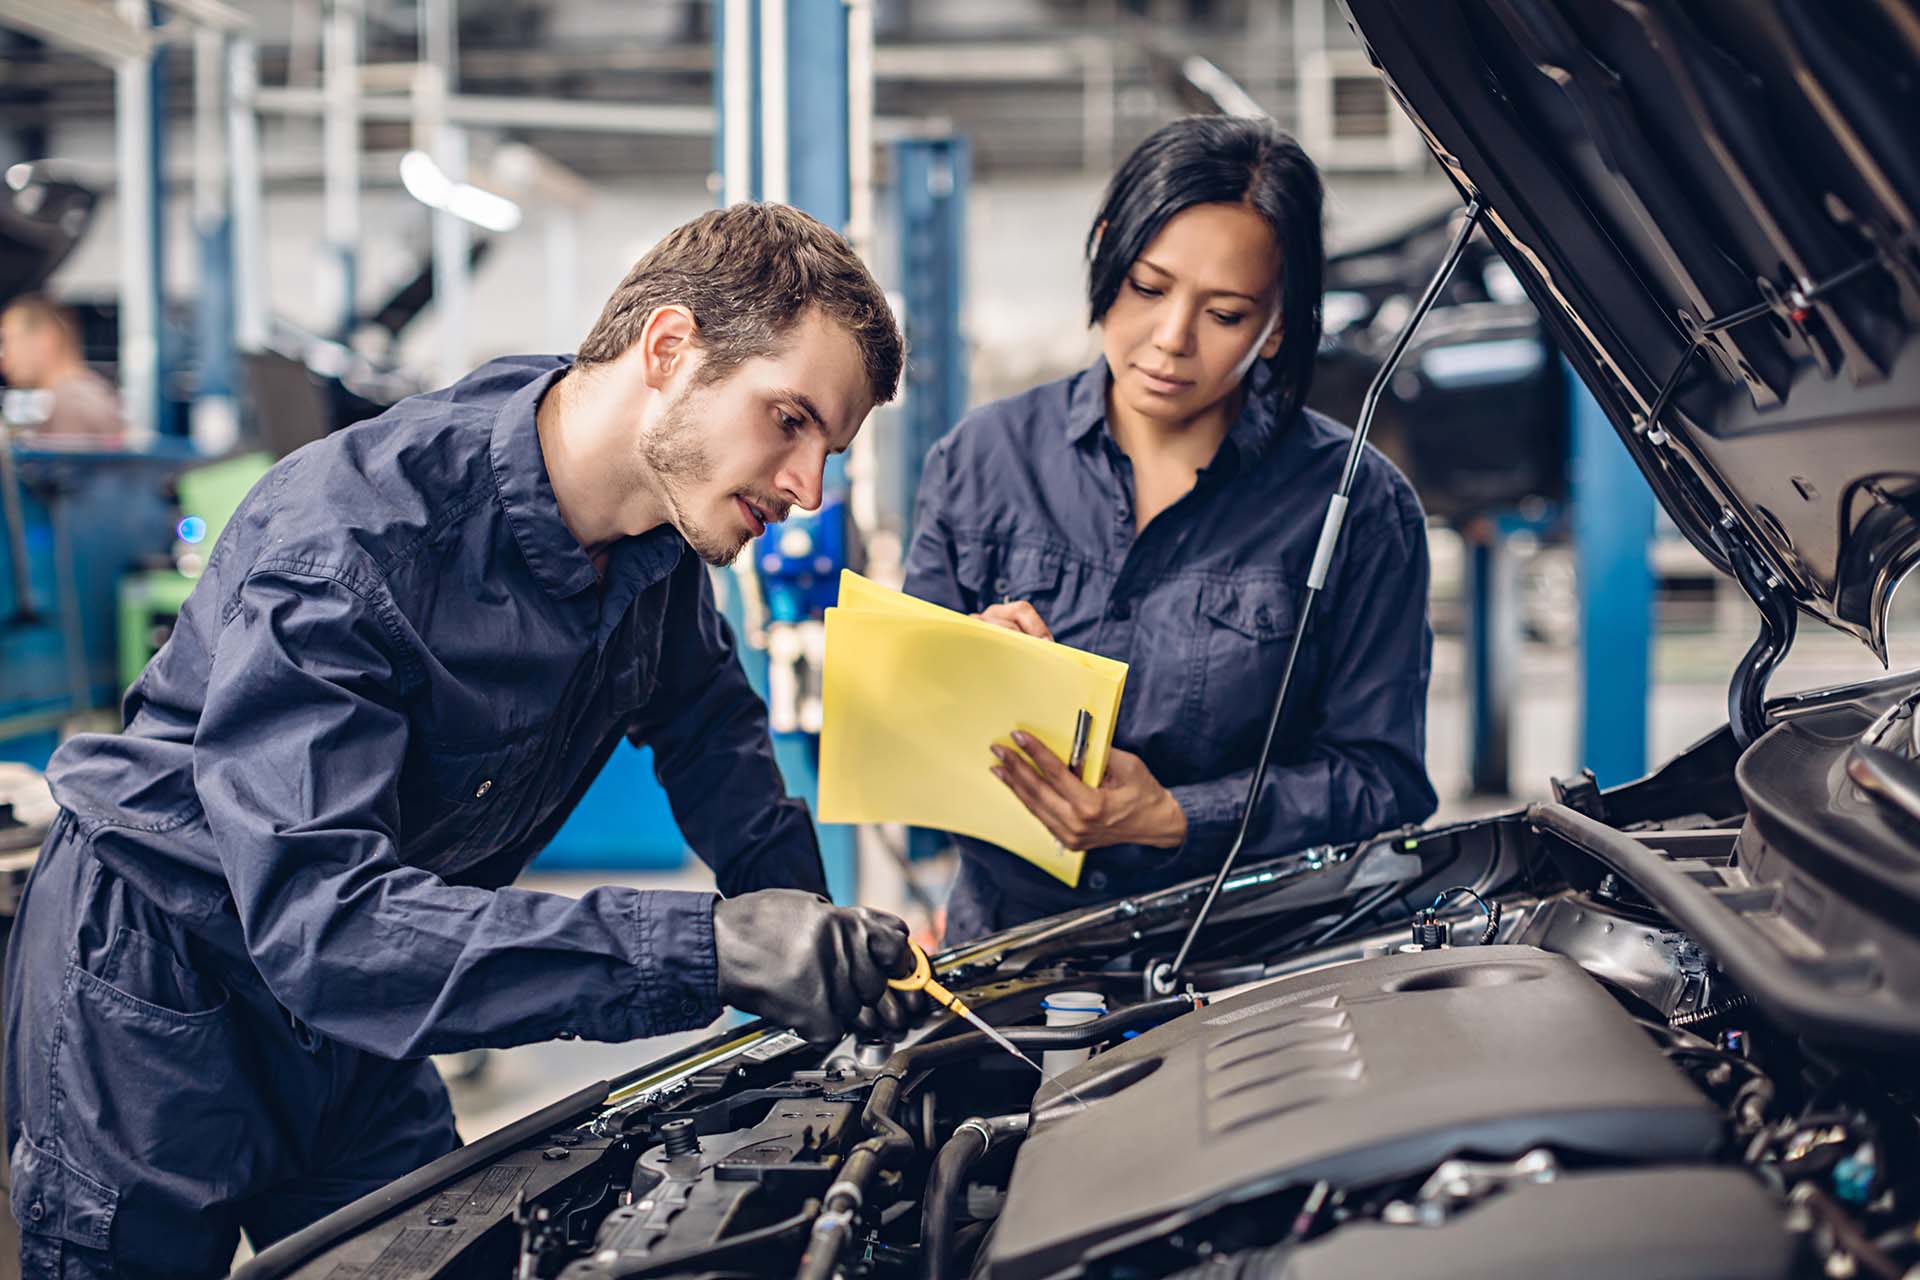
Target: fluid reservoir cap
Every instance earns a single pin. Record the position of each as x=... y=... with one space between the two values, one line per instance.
x=1087 y=1004
x=1069 y=1009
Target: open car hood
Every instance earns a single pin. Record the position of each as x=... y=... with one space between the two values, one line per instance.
x=1653 y=169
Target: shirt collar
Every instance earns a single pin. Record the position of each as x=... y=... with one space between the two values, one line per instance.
x=526 y=493
x=1087 y=401
x=1251 y=436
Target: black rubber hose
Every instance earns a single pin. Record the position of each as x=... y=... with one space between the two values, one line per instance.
x=888 y=1146
x=1796 y=994
x=1747 y=692
x=947 y=1182
x=940 y=1205
x=304 y=1245
x=890 y=1142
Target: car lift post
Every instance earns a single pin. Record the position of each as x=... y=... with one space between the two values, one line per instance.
x=1612 y=536
x=784 y=101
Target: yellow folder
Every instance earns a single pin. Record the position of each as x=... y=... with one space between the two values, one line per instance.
x=915 y=695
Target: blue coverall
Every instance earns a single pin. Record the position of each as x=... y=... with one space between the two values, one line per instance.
x=286 y=881
x=1029 y=498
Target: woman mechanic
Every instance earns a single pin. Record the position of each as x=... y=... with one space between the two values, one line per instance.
x=1161 y=507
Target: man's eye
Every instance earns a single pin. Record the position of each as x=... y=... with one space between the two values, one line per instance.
x=791 y=424
x=1145 y=291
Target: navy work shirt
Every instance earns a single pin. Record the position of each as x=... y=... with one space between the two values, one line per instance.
x=1029 y=498
x=396 y=677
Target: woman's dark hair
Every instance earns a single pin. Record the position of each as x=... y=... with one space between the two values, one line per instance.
x=1222 y=160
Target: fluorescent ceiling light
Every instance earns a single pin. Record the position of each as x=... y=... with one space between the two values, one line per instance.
x=426 y=183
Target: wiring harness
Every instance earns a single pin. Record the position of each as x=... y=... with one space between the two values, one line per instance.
x=1430 y=932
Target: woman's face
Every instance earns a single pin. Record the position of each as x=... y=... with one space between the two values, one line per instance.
x=1198 y=306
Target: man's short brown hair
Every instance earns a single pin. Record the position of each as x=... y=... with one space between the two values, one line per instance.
x=748 y=273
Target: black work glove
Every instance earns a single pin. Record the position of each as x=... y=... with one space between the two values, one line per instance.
x=896 y=1013
x=796 y=959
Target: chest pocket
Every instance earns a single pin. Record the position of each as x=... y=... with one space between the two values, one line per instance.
x=459 y=806
x=1239 y=647
x=1032 y=575
x=992 y=574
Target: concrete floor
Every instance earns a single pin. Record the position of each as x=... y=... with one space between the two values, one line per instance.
x=1687 y=702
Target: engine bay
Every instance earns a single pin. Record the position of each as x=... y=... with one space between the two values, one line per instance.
x=1380 y=1069
x=1512 y=1047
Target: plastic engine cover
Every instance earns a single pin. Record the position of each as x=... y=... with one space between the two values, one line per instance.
x=1651 y=1224
x=1372 y=1070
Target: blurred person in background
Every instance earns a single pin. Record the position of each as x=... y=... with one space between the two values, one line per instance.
x=1161 y=507
x=40 y=351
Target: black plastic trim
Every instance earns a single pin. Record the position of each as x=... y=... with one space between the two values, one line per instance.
x=303 y=1246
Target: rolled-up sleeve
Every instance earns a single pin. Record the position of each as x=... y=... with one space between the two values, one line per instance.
x=714 y=754
x=297 y=760
x=1363 y=768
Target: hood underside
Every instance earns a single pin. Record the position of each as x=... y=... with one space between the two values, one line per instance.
x=1718 y=199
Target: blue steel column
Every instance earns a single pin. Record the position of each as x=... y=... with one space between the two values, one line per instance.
x=214 y=422
x=1612 y=529
x=930 y=181
x=213 y=325
x=931 y=176
x=167 y=419
x=817 y=109
x=816 y=148
x=814 y=145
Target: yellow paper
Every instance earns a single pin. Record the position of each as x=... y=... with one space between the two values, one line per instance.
x=916 y=694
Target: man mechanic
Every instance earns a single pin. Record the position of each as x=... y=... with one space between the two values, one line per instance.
x=415 y=645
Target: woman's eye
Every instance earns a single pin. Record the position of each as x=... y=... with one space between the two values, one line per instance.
x=1144 y=290
x=1229 y=318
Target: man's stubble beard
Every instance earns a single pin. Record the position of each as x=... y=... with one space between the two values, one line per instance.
x=676 y=457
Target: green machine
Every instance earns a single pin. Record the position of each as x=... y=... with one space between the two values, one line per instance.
x=151 y=599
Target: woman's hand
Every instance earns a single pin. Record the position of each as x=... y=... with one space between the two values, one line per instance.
x=1016 y=615
x=1128 y=807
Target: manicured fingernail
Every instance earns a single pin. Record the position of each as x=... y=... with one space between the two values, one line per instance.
x=999 y=752
x=998 y=773
x=1020 y=737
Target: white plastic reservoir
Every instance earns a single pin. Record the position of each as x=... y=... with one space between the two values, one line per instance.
x=1069 y=1009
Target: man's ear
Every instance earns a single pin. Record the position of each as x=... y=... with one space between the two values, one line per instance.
x=666 y=344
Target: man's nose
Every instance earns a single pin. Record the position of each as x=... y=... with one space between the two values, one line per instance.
x=804 y=478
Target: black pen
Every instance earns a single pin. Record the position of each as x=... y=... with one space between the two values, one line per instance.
x=1077 y=758
x=1082 y=730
